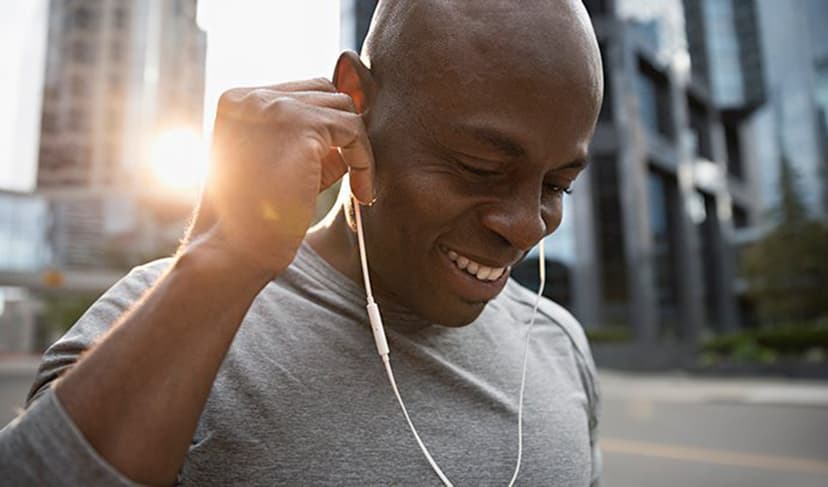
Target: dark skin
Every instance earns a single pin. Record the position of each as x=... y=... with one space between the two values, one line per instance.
x=481 y=170
x=468 y=141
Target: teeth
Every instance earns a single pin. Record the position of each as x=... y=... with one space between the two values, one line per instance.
x=480 y=271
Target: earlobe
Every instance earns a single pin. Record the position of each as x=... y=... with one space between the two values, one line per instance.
x=355 y=79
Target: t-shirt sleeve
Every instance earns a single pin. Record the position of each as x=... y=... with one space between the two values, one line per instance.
x=589 y=379
x=65 y=352
x=43 y=446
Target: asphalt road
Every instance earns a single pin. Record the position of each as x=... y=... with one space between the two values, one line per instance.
x=687 y=434
x=16 y=377
x=667 y=430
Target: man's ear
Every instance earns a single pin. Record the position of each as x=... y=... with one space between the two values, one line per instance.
x=352 y=77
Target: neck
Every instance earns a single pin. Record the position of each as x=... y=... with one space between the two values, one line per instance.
x=335 y=242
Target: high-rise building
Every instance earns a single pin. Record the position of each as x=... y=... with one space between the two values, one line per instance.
x=725 y=49
x=657 y=193
x=762 y=62
x=767 y=79
x=118 y=73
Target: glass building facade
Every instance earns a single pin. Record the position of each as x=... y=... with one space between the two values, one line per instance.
x=24 y=223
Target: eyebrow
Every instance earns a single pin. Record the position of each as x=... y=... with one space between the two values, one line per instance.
x=579 y=163
x=496 y=140
x=509 y=147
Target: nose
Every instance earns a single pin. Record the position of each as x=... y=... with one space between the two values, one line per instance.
x=519 y=219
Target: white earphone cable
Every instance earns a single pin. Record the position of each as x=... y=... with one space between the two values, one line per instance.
x=542 y=259
x=382 y=348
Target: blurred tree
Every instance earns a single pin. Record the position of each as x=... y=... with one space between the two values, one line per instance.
x=787 y=270
x=61 y=312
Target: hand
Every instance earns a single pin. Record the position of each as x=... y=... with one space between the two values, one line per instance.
x=274 y=149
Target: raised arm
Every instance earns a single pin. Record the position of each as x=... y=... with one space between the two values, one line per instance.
x=137 y=395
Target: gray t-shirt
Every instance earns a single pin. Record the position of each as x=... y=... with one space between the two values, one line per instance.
x=302 y=397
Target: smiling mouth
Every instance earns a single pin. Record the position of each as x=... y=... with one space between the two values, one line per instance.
x=479 y=271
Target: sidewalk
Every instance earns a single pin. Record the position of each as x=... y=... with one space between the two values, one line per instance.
x=16 y=374
x=682 y=388
x=19 y=364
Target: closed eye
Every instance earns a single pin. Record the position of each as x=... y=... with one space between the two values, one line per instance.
x=476 y=171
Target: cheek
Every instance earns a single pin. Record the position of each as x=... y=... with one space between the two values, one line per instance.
x=413 y=194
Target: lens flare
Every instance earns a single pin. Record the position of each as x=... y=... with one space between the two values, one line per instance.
x=178 y=160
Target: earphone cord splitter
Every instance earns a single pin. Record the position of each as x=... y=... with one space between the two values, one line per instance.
x=381 y=342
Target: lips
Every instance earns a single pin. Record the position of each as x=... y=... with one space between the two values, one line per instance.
x=474 y=281
x=480 y=271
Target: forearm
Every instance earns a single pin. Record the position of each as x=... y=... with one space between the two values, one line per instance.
x=138 y=394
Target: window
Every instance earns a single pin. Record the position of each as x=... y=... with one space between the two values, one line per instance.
x=78 y=86
x=609 y=228
x=606 y=107
x=734 y=149
x=48 y=122
x=120 y=18
x=78 y=120
x=115 y=51
x=81 y=18
x=654 y=100
x=709 y=234
x=663 y=202
x=81 y=52
x=595 y=7
x=699 y=126
x=740 y=217
x=364 y=11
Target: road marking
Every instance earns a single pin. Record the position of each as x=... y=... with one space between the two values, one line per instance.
x=709 y=455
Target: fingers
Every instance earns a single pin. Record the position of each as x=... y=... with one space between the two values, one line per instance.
x=337 y=101
x=315 y=84
x=331 y=114
x=347 y=132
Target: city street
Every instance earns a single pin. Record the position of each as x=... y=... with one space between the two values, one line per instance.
x=669 y=429
x=16 y=374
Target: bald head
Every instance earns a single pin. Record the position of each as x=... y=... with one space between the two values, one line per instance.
x=479 y=115
x=412 y=41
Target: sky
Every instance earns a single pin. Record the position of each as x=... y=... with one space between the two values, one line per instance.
x=250 y=42
x=264 y=42
x=22 y=51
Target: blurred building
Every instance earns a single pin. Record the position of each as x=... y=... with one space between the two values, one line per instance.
x=791 y=123
x=655 y=202
x=117 y=74
x=762 y=62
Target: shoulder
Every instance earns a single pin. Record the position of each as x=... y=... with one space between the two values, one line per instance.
x=150 y=272
x=550 y=312
x=553 y=314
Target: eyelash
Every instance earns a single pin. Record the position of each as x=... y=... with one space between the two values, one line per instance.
x=484 y=173
x=557 y=189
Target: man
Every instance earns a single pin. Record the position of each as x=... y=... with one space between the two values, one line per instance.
x=247 y=358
